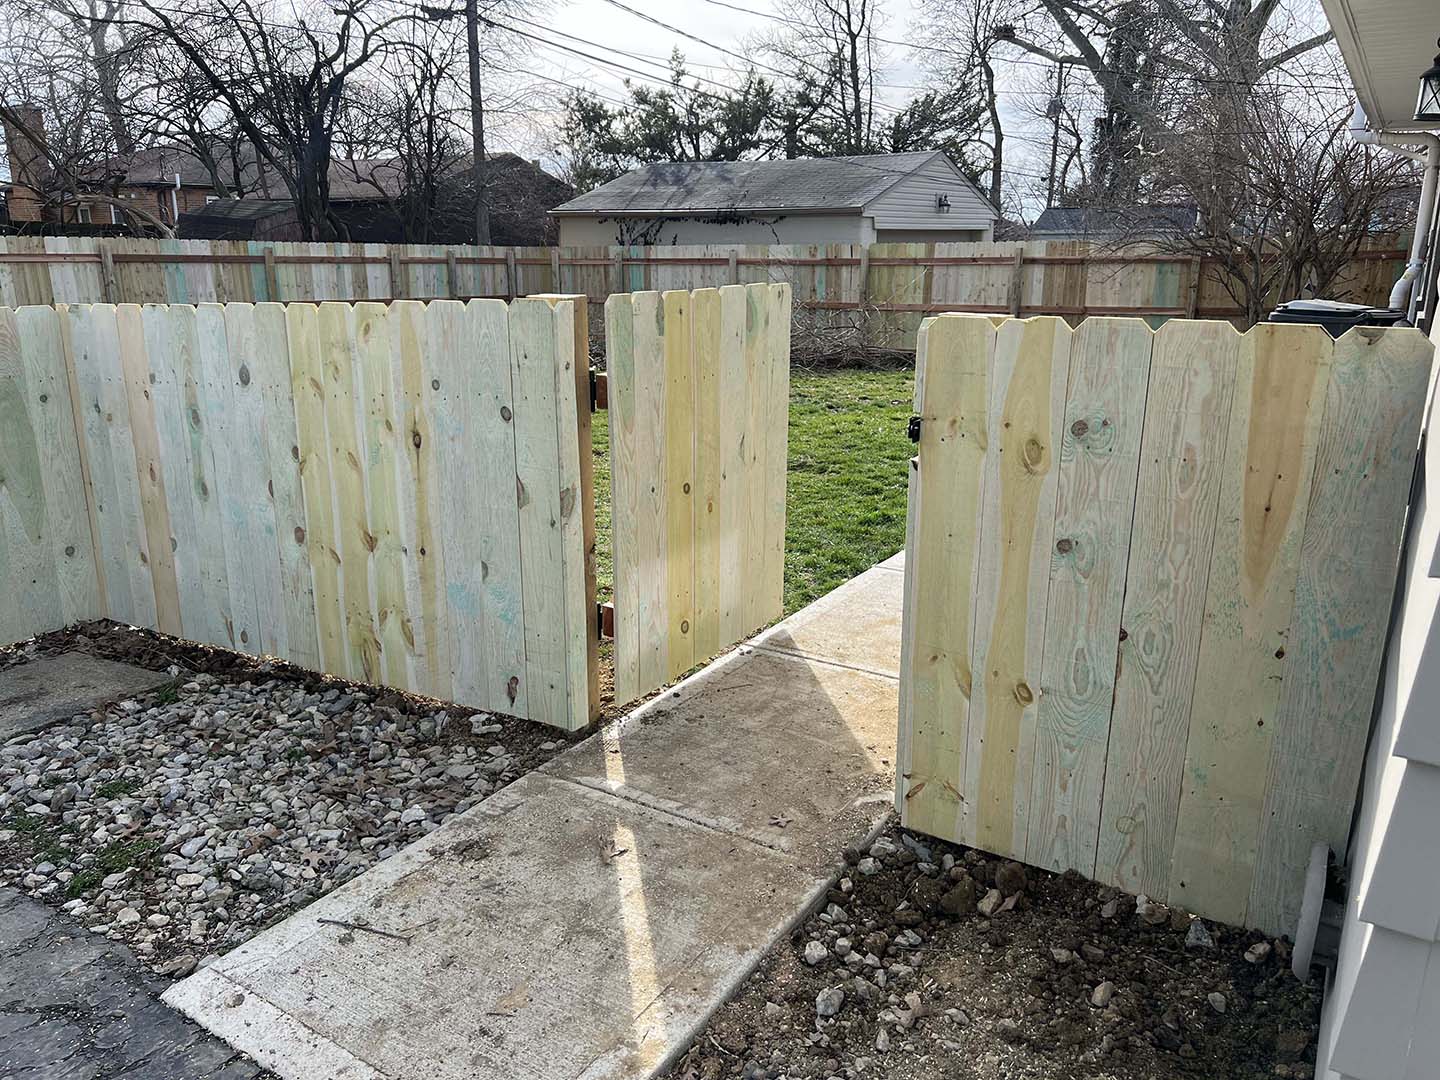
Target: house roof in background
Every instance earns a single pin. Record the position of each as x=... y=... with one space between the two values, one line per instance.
x=1080 y=222
x=1386 y=45
x=801 y=184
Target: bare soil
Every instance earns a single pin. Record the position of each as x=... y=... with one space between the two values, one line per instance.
x=1070 y=983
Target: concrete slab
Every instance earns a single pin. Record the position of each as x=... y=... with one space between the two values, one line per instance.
x=894 y=562
x=857 y=625
x=787 y=752
x=552 y=932
x=42 y=692
x=584 y=922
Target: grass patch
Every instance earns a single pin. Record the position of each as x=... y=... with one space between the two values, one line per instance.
x=845 y=490
x=117 y=789
x=49 y=842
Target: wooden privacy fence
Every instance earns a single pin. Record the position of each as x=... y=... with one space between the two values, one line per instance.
x=390 y=494
x=1147 y=587
x=699 y=390
x=879 y=292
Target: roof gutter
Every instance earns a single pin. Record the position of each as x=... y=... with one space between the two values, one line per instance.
x=1405 y=294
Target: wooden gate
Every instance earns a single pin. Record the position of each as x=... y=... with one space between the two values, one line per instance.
x=698 y=387
x=1147 y=586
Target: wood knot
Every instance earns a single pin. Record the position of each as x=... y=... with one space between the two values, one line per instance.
x=1080 y=428
x=434 y=384
x=1064 y=545
x=415 y=438
x=1033 y=453
x=1023 y=694
x=684 y=626
x=299 y=534
x=244 y=375
x=505 y=413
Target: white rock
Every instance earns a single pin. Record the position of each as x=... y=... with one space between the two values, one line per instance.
x=1101 y=995
x=128 y=917
x=1217 y=1001
x=989 y=903
x=1257 y=952
x=815 y=953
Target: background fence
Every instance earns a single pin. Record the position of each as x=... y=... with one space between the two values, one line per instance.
x=699 y=391
x=1147 y=586
x=391 y=494
x=849 y=295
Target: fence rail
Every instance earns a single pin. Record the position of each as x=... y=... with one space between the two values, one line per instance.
x=879 y=292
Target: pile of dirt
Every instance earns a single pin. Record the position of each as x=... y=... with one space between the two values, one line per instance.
x=934 y=961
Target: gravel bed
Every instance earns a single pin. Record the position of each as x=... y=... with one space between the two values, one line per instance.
x=934 y=961
x=184 y=821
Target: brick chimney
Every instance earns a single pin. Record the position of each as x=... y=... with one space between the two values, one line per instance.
x=28 y=167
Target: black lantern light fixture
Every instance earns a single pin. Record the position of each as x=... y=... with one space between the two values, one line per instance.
x=1427 y=109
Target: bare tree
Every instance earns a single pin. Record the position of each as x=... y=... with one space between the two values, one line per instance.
x=285 y=84
x=1286 y=214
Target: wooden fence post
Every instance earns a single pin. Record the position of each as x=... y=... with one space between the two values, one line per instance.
x=109 y=283
x=452 y=269
x=862 y=296
x=555 y=270
x=734 y=268
x=512 y=281
x=618 y=262
x=1017 y=283
x=583 y=410
x=398 y=284
x=272 y=276
x=1192 y=303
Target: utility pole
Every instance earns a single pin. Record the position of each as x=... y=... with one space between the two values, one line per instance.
x=480 y=166
x=1053 y=111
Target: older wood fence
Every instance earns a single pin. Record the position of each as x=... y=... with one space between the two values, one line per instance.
x=1147 y=584
x=699 y=391
x=878 y=293
x=392 y=494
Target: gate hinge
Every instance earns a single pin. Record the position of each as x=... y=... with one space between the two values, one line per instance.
x=914 y=429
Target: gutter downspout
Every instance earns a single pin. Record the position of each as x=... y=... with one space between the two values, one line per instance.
x=175 y=202
x=1404 y=293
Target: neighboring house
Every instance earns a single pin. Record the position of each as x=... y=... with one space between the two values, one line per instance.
x=900 y=198
x=369 y=195
x=1093 y=223
x=1381 y=1017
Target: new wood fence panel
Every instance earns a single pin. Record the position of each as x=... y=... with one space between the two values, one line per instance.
x=390 y=494
x=1225 y=526
x=1025 y=411
x=1182 y=449
x=698 y=419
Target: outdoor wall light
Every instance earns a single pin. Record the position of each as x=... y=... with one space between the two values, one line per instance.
x=1427 y=110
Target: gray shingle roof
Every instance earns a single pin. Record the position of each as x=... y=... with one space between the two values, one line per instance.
x=800 y=184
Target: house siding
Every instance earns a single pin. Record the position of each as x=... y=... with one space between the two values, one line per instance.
x=910 y=204
x=602 y=229
x=1381 y=1017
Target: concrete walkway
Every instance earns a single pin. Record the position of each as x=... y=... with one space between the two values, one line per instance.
x=586 y=920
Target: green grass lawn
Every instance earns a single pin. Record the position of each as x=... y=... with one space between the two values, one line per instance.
x=846 y=486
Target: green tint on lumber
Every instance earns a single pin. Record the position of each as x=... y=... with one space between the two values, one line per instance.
x=1169 y=559
x=390 y=494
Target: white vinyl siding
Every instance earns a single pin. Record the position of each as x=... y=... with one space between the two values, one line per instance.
x=911 y=203
x=584 y=230
x=1381 y=1017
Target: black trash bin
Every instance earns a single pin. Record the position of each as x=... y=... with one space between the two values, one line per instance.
x=1334 y=315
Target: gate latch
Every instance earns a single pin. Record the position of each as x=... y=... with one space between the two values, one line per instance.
x=914 y=429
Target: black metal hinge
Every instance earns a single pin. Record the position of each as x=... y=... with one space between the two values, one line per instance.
x=914 y=429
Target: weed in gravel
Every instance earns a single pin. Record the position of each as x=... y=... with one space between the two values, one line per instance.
x=118 y=789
